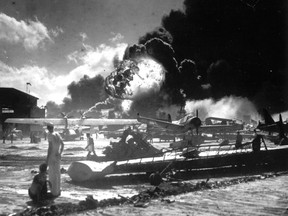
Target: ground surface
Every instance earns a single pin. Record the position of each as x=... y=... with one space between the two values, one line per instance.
x=261 y=197
x=264 y=196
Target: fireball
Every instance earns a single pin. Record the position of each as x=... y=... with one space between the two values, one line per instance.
x=135 y=78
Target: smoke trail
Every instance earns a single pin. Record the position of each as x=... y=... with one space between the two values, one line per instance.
x=109 y=103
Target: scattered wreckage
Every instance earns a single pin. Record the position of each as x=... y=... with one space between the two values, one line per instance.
x=147 y=159
x=131 y=145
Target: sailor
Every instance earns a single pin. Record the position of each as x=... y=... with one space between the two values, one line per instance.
x=90 y=145
x=53 y=160
x=239 y=140
x=12 y=136
x=256 y=142
x=38 y=188
x=155 y=179
x=45 y=134
x=4 y=135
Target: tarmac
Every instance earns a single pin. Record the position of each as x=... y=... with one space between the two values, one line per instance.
x=229 y=192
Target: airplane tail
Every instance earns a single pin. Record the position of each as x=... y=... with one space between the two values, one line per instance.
x=280 y=125
x=267 y=117
x=280 y=119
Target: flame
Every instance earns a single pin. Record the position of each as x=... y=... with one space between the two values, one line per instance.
x=126 y=105
x=132 y=79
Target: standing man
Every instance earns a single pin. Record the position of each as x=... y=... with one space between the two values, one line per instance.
x=256 y=142
x=4 y=135
x=12 y=135
x=53 y=160
x=239 y=140
x=90 y=145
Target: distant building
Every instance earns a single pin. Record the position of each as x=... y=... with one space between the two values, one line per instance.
x=18 y=104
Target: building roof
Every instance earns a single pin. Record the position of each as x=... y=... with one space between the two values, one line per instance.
x=16 y=91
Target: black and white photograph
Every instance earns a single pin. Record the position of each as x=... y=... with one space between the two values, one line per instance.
x=143 y=107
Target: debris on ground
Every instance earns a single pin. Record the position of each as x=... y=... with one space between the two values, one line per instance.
x=143 y=198
x=131 y=145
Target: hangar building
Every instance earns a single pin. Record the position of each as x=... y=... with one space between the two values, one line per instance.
x=18 y=104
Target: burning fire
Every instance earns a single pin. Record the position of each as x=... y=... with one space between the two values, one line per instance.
x=132 y=79
x=126 y=104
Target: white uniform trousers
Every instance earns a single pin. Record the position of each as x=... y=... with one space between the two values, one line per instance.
x=54 y=174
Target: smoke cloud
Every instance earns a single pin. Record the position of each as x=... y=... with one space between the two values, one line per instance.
x=238 y=48
x=227 y=107
x=225 y=58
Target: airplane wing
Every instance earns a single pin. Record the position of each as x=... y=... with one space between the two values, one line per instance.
x=163 y=124
x=72 y=122
x=96 y=122
x=220 y=128
x=35 y=121
x=193 y=124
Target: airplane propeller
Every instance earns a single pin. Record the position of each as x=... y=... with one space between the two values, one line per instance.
x=82 y=113
x=66 y=116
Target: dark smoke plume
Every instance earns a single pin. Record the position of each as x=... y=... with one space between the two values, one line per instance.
x=86 y=92
x=238 y=48
x=212 y=49
x=83 y=94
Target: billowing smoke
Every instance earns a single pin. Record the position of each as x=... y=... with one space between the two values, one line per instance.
x=83 y=95
x=173 y=111
x=86 y=92
x=227 y=107
x=53 y=109
x=238 y=49
x=217 y=54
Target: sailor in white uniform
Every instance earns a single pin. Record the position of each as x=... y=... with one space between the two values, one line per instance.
x=55 y=150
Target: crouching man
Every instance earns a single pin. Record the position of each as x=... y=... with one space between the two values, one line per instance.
x=38 y=188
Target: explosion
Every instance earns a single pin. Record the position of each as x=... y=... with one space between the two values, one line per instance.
x=134 y=78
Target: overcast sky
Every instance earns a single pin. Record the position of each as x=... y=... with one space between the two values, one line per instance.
x=54 y=42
